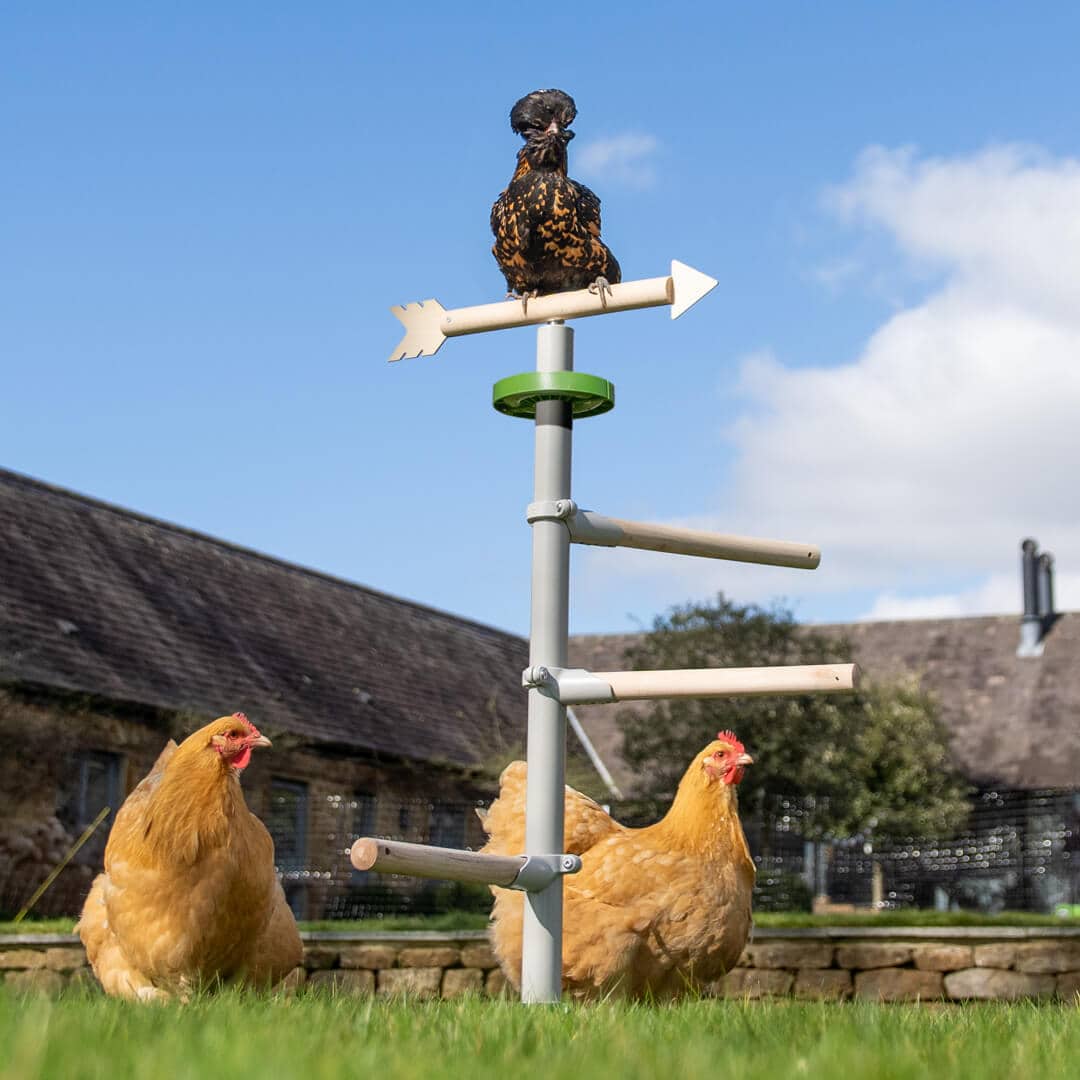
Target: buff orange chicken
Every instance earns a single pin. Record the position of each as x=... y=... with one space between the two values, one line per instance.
x=190 y=896
x=656 y=912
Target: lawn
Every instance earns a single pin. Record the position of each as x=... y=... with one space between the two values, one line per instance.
x=451 y=920
x=317 y=1037
x=471 y=920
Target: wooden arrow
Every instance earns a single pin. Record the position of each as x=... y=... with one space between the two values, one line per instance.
x=429 y=324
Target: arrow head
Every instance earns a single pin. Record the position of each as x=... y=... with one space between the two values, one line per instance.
x=690 y=286
x=423 y=335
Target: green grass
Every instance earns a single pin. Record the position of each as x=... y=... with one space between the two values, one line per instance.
x=451 y=920
x=788 y=919
x=468 y=920
x=37 y=926
x=320 y=1037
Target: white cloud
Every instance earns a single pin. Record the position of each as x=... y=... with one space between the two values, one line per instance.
x=996 y=594
x=955 y=432
x=620 y=159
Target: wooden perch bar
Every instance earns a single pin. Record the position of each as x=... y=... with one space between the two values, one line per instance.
x=587 y=527
x=428 y=324
x=650 y=292
x=422 y=860
x=730 y=682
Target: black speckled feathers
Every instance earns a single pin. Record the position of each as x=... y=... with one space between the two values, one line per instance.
x=547 y=226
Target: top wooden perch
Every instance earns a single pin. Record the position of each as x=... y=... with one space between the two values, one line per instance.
x=428 y=324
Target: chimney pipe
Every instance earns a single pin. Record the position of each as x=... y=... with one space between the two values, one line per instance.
x=1046 y=591
x=1031 y=625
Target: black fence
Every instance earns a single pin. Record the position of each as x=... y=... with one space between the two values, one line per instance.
x=1019 y=851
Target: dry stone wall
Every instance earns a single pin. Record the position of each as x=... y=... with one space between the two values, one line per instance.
x=424 y=965
x=830 y=964
x=920 y=964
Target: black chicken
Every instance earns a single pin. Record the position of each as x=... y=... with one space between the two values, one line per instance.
x=547 y=226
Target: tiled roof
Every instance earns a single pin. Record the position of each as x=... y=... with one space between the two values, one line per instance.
x=100 y=600
x=1012 y=722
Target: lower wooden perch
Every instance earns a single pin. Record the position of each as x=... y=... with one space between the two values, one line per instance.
x=422 y=860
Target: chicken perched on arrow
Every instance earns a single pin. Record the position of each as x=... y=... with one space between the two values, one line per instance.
x=547 y=226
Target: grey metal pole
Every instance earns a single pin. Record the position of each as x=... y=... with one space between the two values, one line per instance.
x=541 y=964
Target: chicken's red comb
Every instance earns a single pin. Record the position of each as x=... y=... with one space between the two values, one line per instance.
x=731 y=737
x=244 y=720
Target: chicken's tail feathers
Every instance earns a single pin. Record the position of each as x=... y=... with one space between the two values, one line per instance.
x=514 y=773
x=504 y=819
x=164 y=757
x=153 y=777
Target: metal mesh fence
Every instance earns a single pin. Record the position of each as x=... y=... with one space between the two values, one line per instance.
x=329 y=888
x=1019 y=851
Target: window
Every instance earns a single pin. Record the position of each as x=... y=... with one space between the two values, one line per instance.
x=447 y=825
x=95 y=785
x=98 y=785
x=365 y=813
x=286 y=821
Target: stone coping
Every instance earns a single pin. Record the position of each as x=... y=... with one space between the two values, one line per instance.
x=936 y=933
x=394 y=935
x=771 y=933
x=402 y=937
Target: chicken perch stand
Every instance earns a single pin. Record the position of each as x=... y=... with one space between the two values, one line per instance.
x=553 y=397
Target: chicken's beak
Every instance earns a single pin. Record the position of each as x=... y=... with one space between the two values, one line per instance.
x=262 y=740
x=744 y=759
x=552 y=128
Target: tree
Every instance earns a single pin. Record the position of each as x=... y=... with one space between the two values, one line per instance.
x=873 y=760
x=907 y=784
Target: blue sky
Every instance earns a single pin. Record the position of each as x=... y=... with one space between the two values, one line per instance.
x=205 y=214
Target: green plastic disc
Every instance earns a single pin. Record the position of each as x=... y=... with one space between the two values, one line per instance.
x=589 y=395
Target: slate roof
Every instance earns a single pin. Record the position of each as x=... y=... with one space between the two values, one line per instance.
x=1012 y=722
x=97 y=599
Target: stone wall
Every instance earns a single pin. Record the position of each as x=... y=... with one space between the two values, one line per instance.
x=833 y=964
x=421 y=964
x=920 y=964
